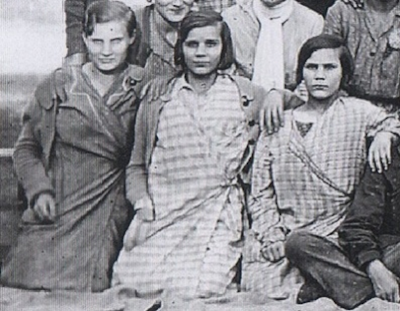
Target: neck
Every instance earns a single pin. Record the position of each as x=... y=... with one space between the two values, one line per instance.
x=163 y=24
x=107 y=75
x=321 y=105
x=382 y=6
x=201 y=84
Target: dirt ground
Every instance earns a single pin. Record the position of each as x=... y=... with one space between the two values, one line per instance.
x=117 y=299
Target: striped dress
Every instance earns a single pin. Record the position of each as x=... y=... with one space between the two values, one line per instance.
x=306 y=183
x=193 y=247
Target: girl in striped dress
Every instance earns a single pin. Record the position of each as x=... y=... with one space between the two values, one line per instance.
x=192 y=147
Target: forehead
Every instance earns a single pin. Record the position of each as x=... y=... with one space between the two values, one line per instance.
x=325 y=56
x=212 y=32
x=109 y=29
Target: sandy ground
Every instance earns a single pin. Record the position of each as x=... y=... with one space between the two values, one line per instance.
x=118 y=300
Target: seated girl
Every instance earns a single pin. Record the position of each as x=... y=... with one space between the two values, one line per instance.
x=305 y=175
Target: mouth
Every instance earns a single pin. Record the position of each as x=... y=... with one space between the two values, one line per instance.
x=319 y=87
x=107 y=60
x=201 y=64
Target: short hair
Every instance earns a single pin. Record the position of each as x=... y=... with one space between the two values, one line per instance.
x=105 y=11
x=326 y=41
x=203 y=19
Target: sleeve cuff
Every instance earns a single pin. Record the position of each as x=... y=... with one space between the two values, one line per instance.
x=365 y=257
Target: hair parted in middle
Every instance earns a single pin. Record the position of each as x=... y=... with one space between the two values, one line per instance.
x=326 y=41
x=198 y=19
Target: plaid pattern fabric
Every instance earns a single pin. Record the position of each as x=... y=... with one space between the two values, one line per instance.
x=306 y=183
x=192 y=248
x=216 y=5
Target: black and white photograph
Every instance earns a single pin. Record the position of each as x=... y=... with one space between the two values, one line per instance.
x=230 y=155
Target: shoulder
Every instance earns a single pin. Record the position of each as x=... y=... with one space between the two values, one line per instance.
x=302 y=12
x=53 y=87
x=248 y=88
x=233 y=13
x=142 y=13
x=356 y=105
x=339 y=8
x=136 y=73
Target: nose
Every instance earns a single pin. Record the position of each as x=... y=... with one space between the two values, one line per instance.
x=320 y=73
x=106 y=49
x=200 y=51
x=177 y=3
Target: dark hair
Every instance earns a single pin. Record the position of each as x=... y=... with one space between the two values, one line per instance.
x=105 y=11
x=326 y=41
x=202 y=19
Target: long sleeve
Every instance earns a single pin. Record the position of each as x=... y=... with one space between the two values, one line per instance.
x=333 y=21
x=74 y=18
x=28 y=155
x=136 y=171
x=263 y=209
x=381 y=121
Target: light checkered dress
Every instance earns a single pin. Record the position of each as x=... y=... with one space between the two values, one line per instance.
x=306 y=183
x=194 y=244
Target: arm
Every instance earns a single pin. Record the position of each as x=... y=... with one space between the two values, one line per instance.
x=384 y=129
x=29 y=166
x=333 y=21
x=274 y=103
x=263 y=209
x=74 y=18
x=136 y=171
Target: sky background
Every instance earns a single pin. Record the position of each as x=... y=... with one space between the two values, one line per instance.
x=32 y=35
x=32 y=38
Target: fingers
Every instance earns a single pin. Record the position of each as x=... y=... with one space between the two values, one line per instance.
x=45 y=208
x=379 y=157
x=274 y=252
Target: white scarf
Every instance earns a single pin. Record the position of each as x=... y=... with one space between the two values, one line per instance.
x=269 y=70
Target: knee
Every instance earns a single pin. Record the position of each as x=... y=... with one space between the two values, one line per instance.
x=297 y=245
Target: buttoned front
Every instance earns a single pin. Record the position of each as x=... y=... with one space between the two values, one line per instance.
x=376 y=57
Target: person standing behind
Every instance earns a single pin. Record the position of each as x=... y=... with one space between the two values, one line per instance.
x=154 y=49
x=70 y=157
x=267 y=35
x=372 y=33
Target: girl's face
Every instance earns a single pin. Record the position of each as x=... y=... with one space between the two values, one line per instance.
x=108 y=45
x=173 y=11
x=202 y=50
x=322 y=73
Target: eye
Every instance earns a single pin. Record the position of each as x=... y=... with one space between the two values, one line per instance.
x=116 y=40
x=96 y=41
x=191 y=44
x=211 y=43
x=330 y=66
x=311 y=66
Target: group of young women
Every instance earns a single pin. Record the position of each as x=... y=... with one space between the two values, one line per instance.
x=213 y=195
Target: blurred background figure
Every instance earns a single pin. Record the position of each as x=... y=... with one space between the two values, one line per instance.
x=372 y=33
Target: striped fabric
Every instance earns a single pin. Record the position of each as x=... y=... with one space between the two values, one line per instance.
x=193 y=246
x=216 y=5
x=306 y=183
